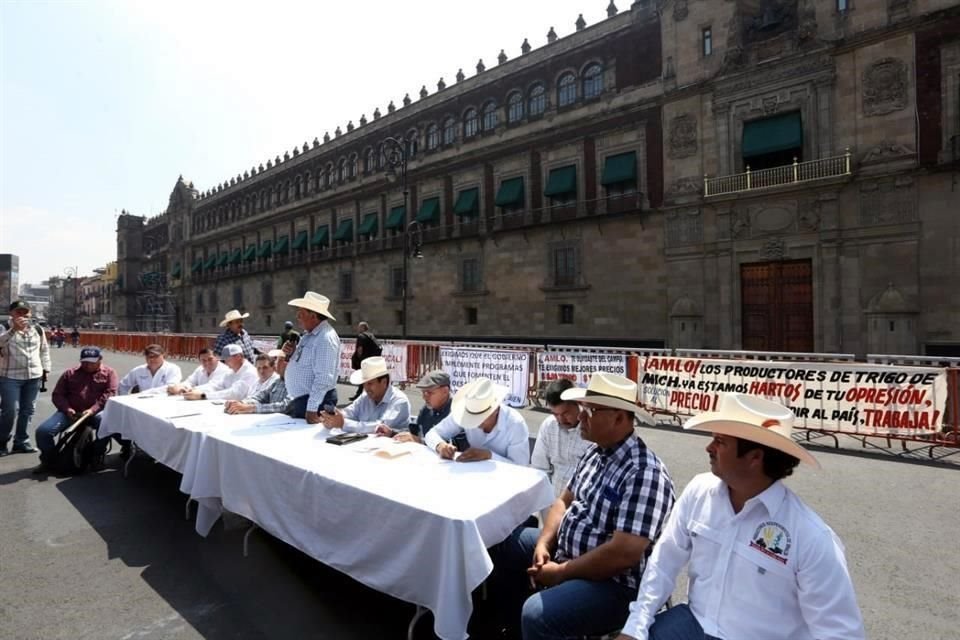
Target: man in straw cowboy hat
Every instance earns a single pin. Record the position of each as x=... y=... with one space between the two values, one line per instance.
x=492 y=429
x=762 y=564
x=313 y=364
x=587 y=560
x=234 y=333
x=380 y=409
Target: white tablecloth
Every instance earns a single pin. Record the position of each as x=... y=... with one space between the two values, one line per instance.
x=414 y=526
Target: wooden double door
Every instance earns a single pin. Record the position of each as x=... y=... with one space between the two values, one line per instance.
x=777 y=305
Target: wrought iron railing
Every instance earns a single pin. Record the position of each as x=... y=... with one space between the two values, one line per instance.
x=834 y=167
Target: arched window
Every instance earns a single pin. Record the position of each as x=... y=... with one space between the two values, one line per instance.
x=381 y=156
x=412 y=144
x=342 y=170
x=352 y=167
x=514 y=108
x=470 y=123
x=297 y=191
x=449 y=131
x=490 y=116
x=433 y=137
x=567 y=90
x=537 y=101
x=369 y=161
x=592 y=82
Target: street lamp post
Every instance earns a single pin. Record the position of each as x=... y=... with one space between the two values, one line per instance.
x=395 y=164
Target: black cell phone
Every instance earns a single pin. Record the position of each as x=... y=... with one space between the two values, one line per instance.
x=346 y=438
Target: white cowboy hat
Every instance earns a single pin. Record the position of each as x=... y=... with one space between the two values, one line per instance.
x=370 y=369
x=232 y=315
x=313 y=302
x=276 y=353
x=609 y=390
x=755 y=419
x=475 y=401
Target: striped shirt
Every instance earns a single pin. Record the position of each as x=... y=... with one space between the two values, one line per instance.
x=626 y=488
x=24 y=355
x=557 y=452
x=243 y=339
x=314 y=364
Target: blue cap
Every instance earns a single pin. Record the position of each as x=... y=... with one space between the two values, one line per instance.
x=90 y=354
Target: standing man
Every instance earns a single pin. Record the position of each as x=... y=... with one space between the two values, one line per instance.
x=289 y=333
x=560 y=444
x=24 y=362
x=762 y=564
x=587 y=560
x=381 y=409
x=312 y=367
x=234 y=333
x=366 y=347
x=82 y=390
x=435 y=389
x=152 y=377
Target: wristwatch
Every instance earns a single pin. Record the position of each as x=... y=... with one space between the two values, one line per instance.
x=203 y=396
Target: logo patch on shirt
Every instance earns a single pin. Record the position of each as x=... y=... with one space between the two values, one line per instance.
x=772 y=539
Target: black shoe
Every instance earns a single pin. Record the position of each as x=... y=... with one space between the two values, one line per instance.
x=40 y=469
x=26 y=447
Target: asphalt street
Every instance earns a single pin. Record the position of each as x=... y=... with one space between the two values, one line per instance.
x=100 y=556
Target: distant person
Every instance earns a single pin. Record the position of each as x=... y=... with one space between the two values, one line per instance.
x=75 y=337
x=153 y=377
x=24 y=363
x=366 y=347
x=560 y=443
x=59 y=336
x=314 y=363
x=435 y=389
x=289 y=335
x=761 y=563
x=236 y=385
x=234 y=333
x=210 y=370
x=380 y=409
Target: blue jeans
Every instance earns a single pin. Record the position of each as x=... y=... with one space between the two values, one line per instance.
x=571 y=609
x=49 y=428
x=677 y=623
x=16 y=394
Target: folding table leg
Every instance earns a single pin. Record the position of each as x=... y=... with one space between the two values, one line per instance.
x=246 y=537
x=186 y=509
x=413 y=623
x=133 y=454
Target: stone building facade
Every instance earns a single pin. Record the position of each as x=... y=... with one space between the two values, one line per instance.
x=732 y=174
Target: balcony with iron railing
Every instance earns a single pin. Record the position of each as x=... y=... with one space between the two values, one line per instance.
x=791 y=174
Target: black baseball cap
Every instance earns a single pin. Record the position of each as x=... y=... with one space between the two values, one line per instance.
x=19 y=304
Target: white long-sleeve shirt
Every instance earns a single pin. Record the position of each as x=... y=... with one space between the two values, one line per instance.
x=508 y=441
x=774 y=571
x=557 y=452
x=236 y=385
x=363 y=415
x=147 y=382
x=200 y=376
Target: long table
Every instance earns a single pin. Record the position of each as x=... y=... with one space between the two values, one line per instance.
x=412 y=526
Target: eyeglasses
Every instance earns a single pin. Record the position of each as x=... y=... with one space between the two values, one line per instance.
x=591 y=410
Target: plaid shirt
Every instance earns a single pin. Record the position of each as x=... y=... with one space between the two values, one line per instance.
x=273 y=399
x=229 y=337
x=626 y=488
x=313 y=367
x=24 y=355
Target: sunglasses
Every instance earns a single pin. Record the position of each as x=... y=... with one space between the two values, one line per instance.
x=591 y=410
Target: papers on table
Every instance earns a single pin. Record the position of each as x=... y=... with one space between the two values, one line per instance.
x=386 y=448
x=279 y=421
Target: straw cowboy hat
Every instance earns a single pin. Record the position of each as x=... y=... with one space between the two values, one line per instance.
x=370 y=369
x=609 y=390
x=313 y=302
x=232 y=315
x=755 y=419
x=475 y=401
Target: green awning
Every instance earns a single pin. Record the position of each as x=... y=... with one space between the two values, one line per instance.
x=280 y=246
x=770 y=135
x=619 y=169
x=266 y=249
x=321 y=237
x=561 y=181
x=250 y=254
x=369 y=226
x=210 y=263
x=510 y=193
x=468 y=202
x=397 y=217
x=222 y=260
x=429 y=211
x=300 y=242
x=197 y=265
x=236 y=256
x=344 y=231
x=175 y=273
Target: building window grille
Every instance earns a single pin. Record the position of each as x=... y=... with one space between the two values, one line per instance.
x=537 y=102
x=470 y=123
x=490 y=117
x=567 y=90
x=707 y=41
x=514 y=108
x=592 y=81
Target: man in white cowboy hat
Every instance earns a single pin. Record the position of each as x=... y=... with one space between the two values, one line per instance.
x=588 y=558
x=492 y=429
x=762 y=564
x=313 y=364
x=380 y=409
x=236 y=385
x=234 y=333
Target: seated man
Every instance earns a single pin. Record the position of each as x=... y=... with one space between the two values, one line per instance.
x=588 y=559
x=152 y=377
x=762 y=564
x=560 y=443
x=236 y=385
x=380 y=408
x=266 y=366
x=492 y=429
x=80 y=391
x=435 y=389
x=210 y=370
x=274 y=399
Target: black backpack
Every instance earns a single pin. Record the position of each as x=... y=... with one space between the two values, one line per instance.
x=77 y=451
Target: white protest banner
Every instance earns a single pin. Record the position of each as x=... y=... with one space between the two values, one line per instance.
x=508 y=368
x=578 y=366
x=394 y=354
x=858 y=398
x=264 y=346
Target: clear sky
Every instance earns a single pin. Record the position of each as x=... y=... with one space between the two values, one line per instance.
x=104 y=104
